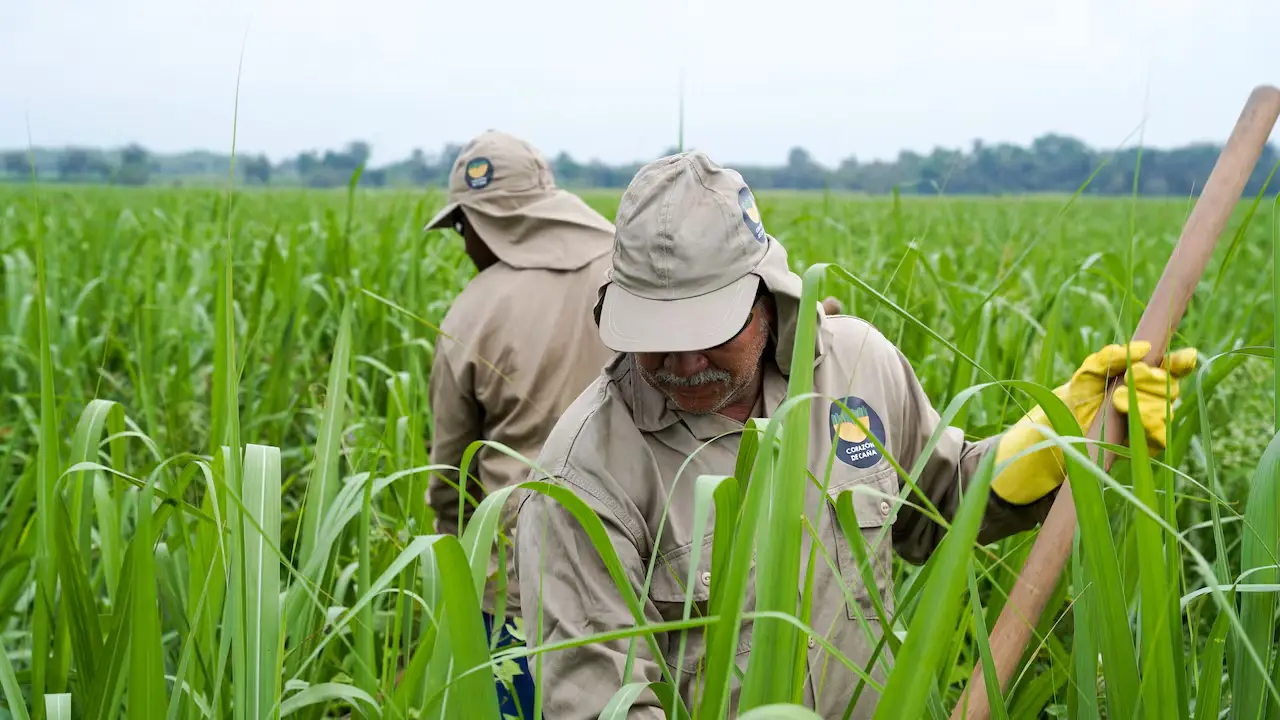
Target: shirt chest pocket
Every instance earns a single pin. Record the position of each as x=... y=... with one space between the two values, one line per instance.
x=872 y=494
x=667 y=592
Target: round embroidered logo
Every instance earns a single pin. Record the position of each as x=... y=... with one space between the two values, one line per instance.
x=851 y=429
x=750 y=213
x=479 y=173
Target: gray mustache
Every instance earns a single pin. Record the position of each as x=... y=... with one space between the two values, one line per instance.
x=701 y=378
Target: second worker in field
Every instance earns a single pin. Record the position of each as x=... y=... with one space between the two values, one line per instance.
x=518 y=344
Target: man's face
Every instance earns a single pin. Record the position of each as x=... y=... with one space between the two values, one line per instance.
x=476 y=248
x=707 y=381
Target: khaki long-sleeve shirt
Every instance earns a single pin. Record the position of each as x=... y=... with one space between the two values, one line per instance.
x=517 y=346
x=619 y=448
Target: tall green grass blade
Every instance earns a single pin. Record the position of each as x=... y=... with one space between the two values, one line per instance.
x=1109 y=608
x=322 y=488
x=47 y=461
x=84 y=448
x=777 y=647
x=1084 y=649
x=109 y=682
x=916 y=665
x=15 y=703
x=1209 y=692
x=146 y=651
x=262 y=619
x=78 y=609
x=726 y=498
x=983 y=640
x=462 y=645
x=366 y=663
x=1158 y=683
x=1259 y=550
x=722 y=645
x=705 y=492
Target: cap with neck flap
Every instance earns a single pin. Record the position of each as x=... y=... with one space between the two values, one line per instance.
x=508 y=193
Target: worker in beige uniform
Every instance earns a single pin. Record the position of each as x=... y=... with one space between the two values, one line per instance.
x=702 y=307
x=519 y=343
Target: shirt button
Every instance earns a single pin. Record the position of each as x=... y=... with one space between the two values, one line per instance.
x=813 y=643
x=884 y=508
x=706 y=578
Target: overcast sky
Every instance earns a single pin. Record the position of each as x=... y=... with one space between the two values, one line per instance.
x=601 y=78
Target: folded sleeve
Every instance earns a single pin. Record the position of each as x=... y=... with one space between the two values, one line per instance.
x=567 y=594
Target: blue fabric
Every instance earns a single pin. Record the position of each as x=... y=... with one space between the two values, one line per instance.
x=522 y=683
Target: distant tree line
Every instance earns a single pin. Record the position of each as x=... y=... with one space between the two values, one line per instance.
x=1052 y=163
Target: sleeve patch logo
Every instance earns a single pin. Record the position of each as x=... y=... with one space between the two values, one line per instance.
x=851 y=430
x=479 y=173
x=751 y=213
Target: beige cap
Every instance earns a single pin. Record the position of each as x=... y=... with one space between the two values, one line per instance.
x=509 y=195
x=689 y=254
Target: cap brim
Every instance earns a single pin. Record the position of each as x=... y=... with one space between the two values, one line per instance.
x=630 y=323
x=442 y=218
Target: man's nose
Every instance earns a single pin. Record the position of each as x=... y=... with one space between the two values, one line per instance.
x=685 y=364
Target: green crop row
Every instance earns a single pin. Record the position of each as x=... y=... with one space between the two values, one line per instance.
x=213 y=427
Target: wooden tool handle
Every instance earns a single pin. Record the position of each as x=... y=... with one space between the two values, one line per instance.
x=1186 y=265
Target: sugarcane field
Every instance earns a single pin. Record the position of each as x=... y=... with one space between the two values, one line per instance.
x=624 y=405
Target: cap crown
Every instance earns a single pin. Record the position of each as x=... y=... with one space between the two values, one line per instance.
x=685 y=226
x=496 y=162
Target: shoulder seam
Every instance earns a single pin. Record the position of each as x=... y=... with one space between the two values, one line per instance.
x=569 y=474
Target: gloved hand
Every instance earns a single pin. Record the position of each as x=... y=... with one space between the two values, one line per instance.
x=1034 y=475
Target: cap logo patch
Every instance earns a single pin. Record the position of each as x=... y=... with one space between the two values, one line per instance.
x=750 y=213
x=479 y=173
x=851 y=431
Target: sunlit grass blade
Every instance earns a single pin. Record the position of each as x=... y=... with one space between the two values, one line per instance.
x=323 y=694
x=261 y=629
x=58 y=706
x=619 y=706
x=84 y=448
x=779 y=712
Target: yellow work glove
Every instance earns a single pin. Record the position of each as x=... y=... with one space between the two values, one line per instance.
x=1036 y=474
